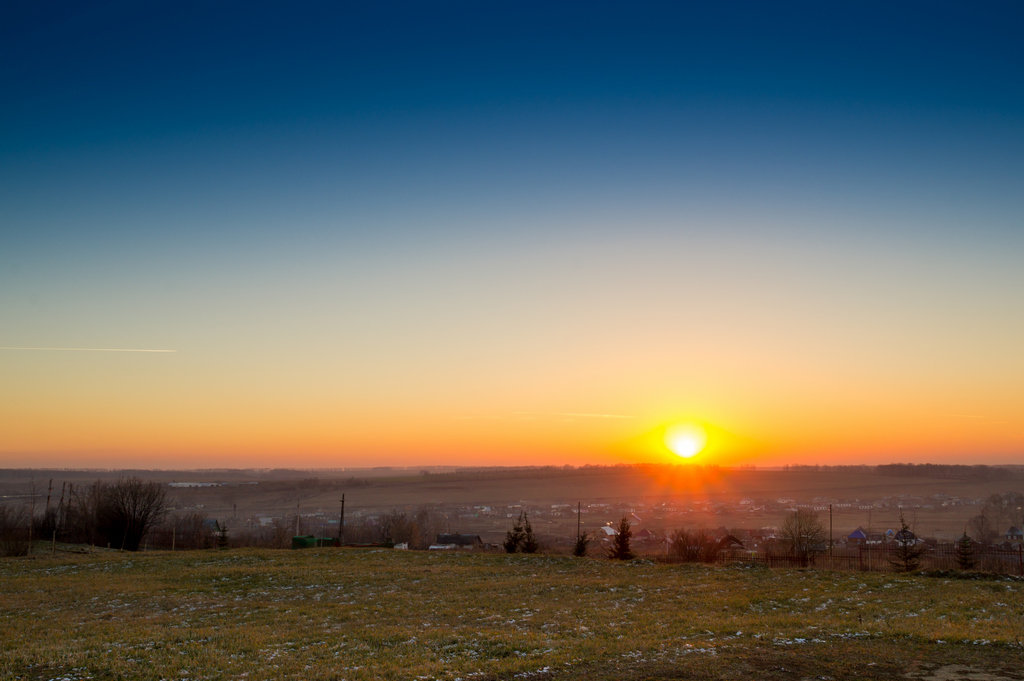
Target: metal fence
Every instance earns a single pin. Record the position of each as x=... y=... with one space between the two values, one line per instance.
x=995 y=560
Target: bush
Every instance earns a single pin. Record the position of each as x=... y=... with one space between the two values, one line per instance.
x=13 y=531
x=693 y=547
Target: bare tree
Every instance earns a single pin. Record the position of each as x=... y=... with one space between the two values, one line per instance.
x=118 y=514
x=804 y=534
x=983 y=527
x=694 y=547
x=999 y=512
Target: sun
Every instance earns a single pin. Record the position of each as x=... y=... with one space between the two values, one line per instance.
x=685 y=440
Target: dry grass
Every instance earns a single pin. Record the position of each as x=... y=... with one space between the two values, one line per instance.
x=351 y=614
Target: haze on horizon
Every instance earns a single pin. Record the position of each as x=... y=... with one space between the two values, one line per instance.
x=250 y=235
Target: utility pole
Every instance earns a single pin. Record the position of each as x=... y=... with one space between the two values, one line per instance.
x=31 y=516
x=579 y=505
x=830 y=537
x=341 y=522
x=60 y=506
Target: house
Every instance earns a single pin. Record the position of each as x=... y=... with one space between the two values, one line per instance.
x=857 y=537
x=646 y=535
x=905 y=537
x=457 y=541
x=1015 y=535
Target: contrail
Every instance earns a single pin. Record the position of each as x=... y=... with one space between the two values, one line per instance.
x=5 y=347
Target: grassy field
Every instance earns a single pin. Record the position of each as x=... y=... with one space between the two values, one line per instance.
x=380 y=614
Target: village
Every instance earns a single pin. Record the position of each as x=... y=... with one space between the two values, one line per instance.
x=753 y=525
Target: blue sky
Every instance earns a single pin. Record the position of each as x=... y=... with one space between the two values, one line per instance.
x=523 y=178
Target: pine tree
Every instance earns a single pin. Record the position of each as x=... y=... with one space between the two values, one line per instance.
x=580 y=549
x=908 y=552
x=529 y=541
x=963 y=551
x=620 y=547
x=222 y=534
x=514 y=537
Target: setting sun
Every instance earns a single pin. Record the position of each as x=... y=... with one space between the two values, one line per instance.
x=685 y=440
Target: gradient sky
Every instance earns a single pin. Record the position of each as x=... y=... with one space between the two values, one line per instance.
x=474 y=233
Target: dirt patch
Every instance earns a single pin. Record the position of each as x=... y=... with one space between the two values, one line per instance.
x=959 y=672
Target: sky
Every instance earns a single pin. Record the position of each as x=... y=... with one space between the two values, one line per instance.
x=387 y=234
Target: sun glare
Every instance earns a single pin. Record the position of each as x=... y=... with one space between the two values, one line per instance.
x=685 y=440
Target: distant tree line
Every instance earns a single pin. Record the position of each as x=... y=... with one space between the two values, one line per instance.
x=948 y=471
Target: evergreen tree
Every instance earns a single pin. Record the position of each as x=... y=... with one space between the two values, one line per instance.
x=514 y=537
x=529 y=541
x=620 y=547
x=907 y=555
x=222 y=535
x=963 y=551
x=580 y=549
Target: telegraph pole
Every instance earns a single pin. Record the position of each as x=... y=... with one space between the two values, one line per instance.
x=341 y=523
x=579 y=505
x=830 y=537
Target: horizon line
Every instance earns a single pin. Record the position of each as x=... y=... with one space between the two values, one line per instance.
x=18 y=347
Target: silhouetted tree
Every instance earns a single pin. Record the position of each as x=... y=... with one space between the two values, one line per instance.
x=963 y=551
x=116 y=514
x=999 y=512
x=514 y=537
x=14 y=525
x=906 y=557
x=804 y=534
x=221 y=532
x=580 y=549
x=620 y=545
x=693 y=547
x=529 y=542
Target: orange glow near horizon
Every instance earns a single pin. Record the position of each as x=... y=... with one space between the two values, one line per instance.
x=124 y=412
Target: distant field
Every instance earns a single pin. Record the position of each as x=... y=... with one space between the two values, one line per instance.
x=380 y=614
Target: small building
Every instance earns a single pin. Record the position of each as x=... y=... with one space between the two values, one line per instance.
x=458 y=541
x=1014 y=535
x=857 y=537
x=905 y=537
